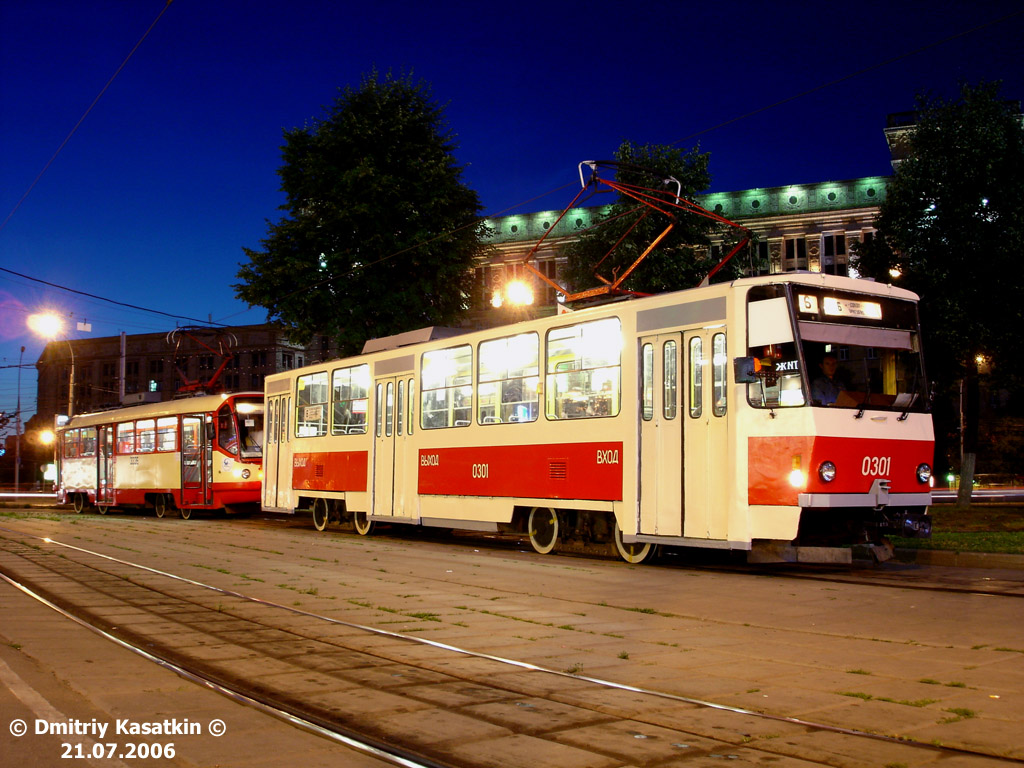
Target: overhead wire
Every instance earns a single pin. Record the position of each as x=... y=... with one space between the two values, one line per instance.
x=85 y=115
x=473 y=223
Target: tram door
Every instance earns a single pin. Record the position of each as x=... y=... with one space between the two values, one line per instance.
x=105 y=465
x=272 y=451
x=705 y=444
x=195 y=459
x=661 y=438
x=384 y=446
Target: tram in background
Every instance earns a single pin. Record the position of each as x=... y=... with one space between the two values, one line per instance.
x=682 y=419
x=201 y=452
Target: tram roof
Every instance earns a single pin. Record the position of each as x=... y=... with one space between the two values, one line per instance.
x=199 y=404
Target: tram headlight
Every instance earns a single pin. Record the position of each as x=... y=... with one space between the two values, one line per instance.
x=827 y=471
x=924 y=473
x=245 y=474
x=797 y=478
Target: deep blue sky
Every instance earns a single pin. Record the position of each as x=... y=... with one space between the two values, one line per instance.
x=174 y=170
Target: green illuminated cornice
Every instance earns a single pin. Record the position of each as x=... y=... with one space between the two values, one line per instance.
x=739 y=206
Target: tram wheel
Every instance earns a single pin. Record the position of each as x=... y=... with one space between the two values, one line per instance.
x=321 y=513
x=160 y=505
x=79 y=502
x=362 y=524
x=102 y=508
x=543 y=529
x=635 y=552
x=185 y=512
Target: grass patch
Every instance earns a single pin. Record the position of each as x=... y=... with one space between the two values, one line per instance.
x=977 y=528
x=904 y=702
x=857 y=695
x=857 y=672
x=959 y=713
x=1010 y=543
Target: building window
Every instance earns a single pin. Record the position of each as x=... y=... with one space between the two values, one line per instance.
x=287 y=361
x=795 y=254
x=833 y=254
x=259 y=359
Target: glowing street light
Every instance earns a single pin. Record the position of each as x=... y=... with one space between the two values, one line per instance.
x=516 y=294
x=46 y=324
x=50 y=326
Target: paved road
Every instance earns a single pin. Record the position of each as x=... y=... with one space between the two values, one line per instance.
x=928 y=666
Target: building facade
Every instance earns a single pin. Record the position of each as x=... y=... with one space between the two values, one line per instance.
x=151 y=367
x=797 y=227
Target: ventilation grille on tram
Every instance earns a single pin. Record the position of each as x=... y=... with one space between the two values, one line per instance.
x=558 y=469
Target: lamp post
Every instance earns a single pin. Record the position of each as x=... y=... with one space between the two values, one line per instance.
x=17 y=430
x=50 y=326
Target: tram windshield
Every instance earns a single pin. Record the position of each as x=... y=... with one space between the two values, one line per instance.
x=250 y=426
x=848 y=351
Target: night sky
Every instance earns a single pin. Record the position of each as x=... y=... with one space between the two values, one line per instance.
x=173 y=171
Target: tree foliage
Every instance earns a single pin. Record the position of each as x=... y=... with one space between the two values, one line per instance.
x=379 y=232
x=680 y=260
x=952 y=229
x=952 y=224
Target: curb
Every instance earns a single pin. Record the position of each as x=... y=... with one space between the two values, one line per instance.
x=954 y=559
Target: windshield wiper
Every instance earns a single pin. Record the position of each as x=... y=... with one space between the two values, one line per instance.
x=867 y=391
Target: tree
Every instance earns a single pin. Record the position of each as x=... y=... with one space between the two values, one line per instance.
x=679 y=261
x=380 y=231
x=952 y=229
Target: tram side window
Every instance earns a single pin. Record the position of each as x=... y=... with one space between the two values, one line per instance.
x=146 y=435
x=584 y=370
x=70 y=442
x=446 y=391
x=126 y=437
x=349 y=400
x=647 y=382
x=88 y=444
x=719 y=374
x=696 y=377
x=508 y=379
x=670 y=366
x=412 y=407
x=311 y=398
x=167 y=433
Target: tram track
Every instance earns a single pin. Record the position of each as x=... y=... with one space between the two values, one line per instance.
x=214 y=635
x=889 y=575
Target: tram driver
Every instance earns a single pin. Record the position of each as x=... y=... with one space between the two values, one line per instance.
x=826 y=387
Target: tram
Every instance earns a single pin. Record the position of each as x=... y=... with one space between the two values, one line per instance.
x=201 y=452
x=686 y=419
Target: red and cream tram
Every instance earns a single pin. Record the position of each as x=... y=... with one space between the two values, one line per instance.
x=685 y=419
x=200 y=452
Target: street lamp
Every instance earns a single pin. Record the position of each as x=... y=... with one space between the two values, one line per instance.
x=516 y=293
x=17 y=430
x=51 y=326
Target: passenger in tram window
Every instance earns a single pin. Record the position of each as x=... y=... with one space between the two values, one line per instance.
x=826 y=387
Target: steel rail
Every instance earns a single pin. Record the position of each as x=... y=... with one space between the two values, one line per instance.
x=610 y=684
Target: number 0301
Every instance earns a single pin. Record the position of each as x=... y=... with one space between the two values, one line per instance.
x=876 y=466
